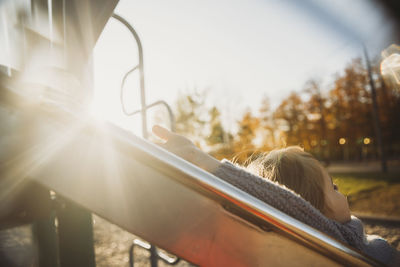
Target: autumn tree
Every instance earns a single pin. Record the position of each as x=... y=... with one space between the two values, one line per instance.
x=217 y=132
x=191 y=115
x=219 y=141
x=267 y=125
x=292 y=120
x=202 y=124
x=244 y=145
x=317 y=113
x=351 y=107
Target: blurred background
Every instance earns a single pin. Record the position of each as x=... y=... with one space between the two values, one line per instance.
x=245 y=77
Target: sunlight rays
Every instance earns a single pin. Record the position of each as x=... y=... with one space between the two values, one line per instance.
x=30 y=152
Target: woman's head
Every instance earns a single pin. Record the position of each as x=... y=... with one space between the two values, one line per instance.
x=302 y=173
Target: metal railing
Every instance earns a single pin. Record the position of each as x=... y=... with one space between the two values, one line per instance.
x=140 y=68
x=141 y=72
x=155 y=254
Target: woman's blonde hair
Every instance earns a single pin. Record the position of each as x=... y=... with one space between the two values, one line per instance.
x=294 y=168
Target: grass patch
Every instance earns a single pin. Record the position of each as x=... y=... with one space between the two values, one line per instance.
x=353 y=183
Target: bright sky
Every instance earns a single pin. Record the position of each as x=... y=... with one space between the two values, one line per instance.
x=240 y=50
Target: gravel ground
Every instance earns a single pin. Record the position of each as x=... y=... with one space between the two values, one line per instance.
x=112 y=247
x=16 y=247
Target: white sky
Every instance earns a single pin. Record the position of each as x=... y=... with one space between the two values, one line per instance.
x=241 y=50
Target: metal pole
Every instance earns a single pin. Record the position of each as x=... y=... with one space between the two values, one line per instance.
x=153 y=256
x=75 y=235
x=375 y=114
x=141 y=73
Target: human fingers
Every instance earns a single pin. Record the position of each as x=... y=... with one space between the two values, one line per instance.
x=161 y=132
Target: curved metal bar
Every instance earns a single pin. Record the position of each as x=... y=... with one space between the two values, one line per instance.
x=159 y=102
x=141 y=72
x=131 y=255
x=153 y=250
x=167 y=259
x=122 y=90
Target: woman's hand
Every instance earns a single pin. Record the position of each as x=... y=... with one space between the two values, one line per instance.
x=184 y=148
x=175 y=143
